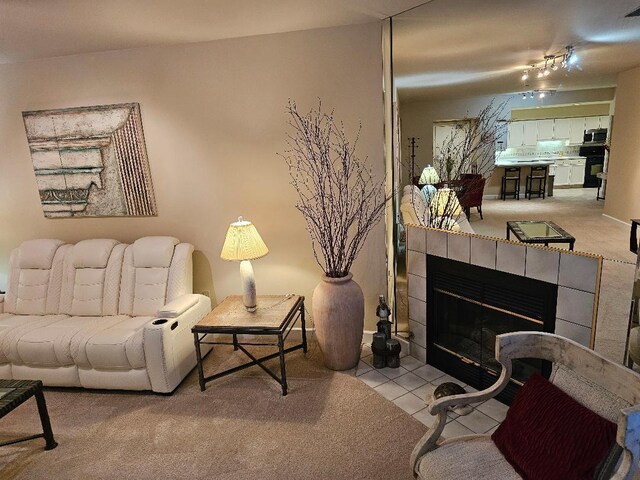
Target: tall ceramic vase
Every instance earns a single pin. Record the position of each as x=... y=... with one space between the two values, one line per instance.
x=338 y=315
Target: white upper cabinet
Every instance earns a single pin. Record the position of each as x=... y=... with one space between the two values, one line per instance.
x=591 y=123
x=576 y=130
x=530 y=134
x=515 y=134
x=561 y=129
x=605 y=122
x=545 y=129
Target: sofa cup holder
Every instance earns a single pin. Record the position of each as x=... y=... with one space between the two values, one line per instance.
x=162 y=321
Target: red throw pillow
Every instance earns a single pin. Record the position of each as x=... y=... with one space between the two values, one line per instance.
x=547 y=435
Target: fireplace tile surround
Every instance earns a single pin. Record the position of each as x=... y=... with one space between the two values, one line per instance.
x=576 y=274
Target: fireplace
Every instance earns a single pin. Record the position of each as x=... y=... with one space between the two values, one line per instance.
x=468 y=305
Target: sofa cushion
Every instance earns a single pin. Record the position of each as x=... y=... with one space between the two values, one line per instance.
x=35 y=278
x=466 y=459
x=37 y=254
x=119 y=347
x=92 y=271
x=153 y=251
x=92 y=253
x=53 y=345
x=14 y=327
x=94 y=325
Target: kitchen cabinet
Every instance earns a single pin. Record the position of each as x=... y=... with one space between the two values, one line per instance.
x=576 y=130
x=569 y=172
x=545 y=129
x=591 y=123
x=576 y=176
x=563 y=173
x=515 y=134
x=605 y=122
x=530 y=133
x=561 y=129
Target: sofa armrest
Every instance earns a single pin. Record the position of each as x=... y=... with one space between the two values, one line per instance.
x=1 y=303
x=178 y=306
x=168 y=342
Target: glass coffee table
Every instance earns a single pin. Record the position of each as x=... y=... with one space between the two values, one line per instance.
x=539 y=231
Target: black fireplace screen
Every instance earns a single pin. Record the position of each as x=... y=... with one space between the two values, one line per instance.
x=467 y=306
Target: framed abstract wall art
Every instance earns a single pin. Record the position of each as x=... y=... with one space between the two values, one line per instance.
x=91 y=161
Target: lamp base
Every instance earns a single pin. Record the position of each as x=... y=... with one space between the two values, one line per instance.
x=248 y=286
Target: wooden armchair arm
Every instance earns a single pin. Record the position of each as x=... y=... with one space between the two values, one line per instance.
x=440 y=407
x=443 y=404
x=429 y=441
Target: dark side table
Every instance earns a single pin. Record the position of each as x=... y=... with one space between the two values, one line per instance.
x=15 y=393
x=275 y=317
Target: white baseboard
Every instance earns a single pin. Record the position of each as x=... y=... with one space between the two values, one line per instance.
x=616 y=219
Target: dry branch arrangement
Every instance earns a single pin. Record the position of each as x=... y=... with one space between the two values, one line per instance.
x=338 y=196
x=470 y=149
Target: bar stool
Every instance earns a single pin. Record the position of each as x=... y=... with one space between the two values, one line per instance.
x=511 y=174
x=538 y=173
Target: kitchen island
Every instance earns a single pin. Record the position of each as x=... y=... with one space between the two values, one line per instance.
x=568 y=170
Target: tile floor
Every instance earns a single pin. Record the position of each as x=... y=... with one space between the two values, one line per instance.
x=410 y=387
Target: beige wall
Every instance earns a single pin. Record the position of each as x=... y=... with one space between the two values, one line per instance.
x=214 y=118
x=623 y=178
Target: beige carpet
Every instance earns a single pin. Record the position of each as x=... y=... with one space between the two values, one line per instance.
x=331 y=425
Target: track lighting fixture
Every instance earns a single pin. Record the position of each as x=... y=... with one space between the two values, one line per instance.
x=539 y=93
x=552 y=63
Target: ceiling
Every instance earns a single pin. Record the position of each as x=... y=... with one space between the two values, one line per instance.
x=34 y=29
x=448 y=49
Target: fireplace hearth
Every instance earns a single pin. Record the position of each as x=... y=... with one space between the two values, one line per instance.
x=468 y=305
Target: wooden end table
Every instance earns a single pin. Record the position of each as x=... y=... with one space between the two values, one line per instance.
x=15 y=393
x=275 y=316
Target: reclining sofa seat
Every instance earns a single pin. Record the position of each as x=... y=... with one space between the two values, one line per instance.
x=101 y=314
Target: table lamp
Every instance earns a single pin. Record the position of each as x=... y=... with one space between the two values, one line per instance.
x=429 y=176
x=243 y=244
x=445 y=203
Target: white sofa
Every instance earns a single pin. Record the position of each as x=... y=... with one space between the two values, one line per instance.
x=100 y=314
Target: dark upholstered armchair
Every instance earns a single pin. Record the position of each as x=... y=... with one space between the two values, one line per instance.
x=471 y=192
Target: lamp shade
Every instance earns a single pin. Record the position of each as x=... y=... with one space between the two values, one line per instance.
x=429 y=176
x=428 y=192
x=445 y=204
x=243 y=242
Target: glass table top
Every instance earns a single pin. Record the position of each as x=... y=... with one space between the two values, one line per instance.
x=528 y=230
x=538 y=229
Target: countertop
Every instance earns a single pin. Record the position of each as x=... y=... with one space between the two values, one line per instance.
x=534 y=161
